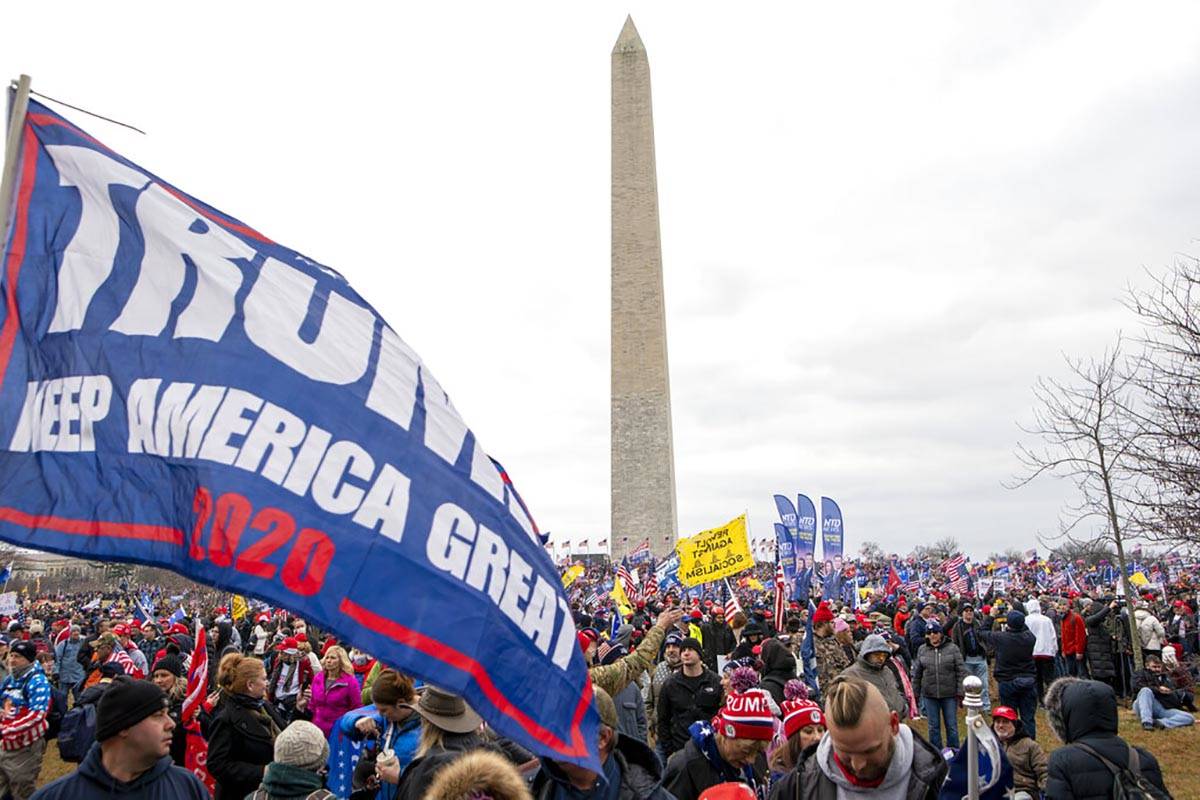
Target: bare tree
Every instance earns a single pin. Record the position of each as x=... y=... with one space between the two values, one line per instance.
x=1168 y=374
x=1090 y=552
x=871 y=552
x=1089 y=431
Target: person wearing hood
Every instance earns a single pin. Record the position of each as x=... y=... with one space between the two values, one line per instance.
x=779 y=667
x=872 y=666
x=1101 y=644
x=938 y=674
x=1150 y=630
x=1045 y=648
x=1014 y=670
x=296 y=772
x=1083 y=714
x=865 y=752
x=1026 y=756
x=731 y=748
x=131 y=756
x=630 y=770
x=752 y=637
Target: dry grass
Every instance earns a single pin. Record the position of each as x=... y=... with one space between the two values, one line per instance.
x=1178 y=751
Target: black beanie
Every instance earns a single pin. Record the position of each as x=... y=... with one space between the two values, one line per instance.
x=171 y=663
x=126 y=703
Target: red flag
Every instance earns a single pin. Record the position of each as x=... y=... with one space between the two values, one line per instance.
x=196 y=756
x=62 y=635
x=893 y=581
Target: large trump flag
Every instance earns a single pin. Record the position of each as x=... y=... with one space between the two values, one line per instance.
x=176 y=389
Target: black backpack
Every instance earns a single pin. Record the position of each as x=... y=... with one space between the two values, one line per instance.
x=1128 y=781
x=54 y=715
x=77 y=733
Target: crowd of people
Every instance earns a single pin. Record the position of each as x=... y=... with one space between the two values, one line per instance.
x=692 y=694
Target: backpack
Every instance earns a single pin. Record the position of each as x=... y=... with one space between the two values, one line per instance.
x=54 y=715
x=1128 y=781
x=77 y=733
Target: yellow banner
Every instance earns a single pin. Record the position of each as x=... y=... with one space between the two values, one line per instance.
x=714 y=554
x=571 y=575
x=238 y=607
x=1139 y=579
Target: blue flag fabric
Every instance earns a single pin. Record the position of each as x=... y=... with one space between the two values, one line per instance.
x=995 y=773
x=806 y=528
x=178 y=390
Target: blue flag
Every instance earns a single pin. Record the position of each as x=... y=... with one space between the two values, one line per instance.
x=995 y=773
x=178 y=390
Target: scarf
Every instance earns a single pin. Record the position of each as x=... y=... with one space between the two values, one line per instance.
x=285 y=781
x=257 y=706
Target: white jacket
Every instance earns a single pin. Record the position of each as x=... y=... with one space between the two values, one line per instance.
x=1150 y=630
x=1042 y=628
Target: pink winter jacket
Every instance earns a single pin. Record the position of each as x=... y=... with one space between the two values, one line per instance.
x=328 y=704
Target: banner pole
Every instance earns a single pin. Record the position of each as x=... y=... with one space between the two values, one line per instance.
x=12 y=149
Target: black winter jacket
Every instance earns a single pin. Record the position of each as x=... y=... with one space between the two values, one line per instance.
x=938 y=672
x=1089 y=715
x=689 y=773
x=685 y=700
x=1101 y=646
x=91 y=781
x=1014 y=652
x=240 y=745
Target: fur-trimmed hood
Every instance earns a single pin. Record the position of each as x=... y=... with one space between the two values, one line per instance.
x=481 y=771
x=1077 y=708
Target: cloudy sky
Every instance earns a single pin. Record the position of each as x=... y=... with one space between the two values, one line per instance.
x=881 y=222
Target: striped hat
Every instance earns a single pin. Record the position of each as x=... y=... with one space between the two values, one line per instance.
x=745 y=716
x=798 y=713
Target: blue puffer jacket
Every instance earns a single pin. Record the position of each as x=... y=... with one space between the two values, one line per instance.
x=70 y=671
x=91 y=781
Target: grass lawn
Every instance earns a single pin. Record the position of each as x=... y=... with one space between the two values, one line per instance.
x=1178 y=752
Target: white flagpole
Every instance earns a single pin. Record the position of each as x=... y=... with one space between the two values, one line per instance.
x=12 y=149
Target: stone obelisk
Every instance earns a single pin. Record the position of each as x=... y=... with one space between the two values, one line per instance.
x=643 y=458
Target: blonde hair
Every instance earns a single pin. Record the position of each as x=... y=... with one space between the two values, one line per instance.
x=846 y=701
x=344 y=662
x=431 y=738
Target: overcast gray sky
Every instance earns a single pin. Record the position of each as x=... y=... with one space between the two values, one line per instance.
x=881 y=222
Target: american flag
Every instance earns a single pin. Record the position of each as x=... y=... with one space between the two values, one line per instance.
x=583 y=545
x=650 y=588
x=912 y=588
x=780 y=591
x=602 y=544
x=627 y=583
x=732 y=606
x=950 y=566
x=121 y=657
x=644 y=547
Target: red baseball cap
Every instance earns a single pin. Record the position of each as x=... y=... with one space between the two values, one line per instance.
x=121 y=629
x=289 y=643
x=1004 y=712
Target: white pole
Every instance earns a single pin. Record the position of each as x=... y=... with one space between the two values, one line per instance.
x=973 y=700
x=12 y=148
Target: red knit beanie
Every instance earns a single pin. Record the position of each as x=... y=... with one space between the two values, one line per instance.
x=745 y=716
x=822 y=614
x=798 y=713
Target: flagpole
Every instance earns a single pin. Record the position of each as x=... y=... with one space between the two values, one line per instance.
x=12 y=148
x=973 y=700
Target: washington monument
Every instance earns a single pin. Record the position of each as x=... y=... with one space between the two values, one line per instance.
x=643 y=457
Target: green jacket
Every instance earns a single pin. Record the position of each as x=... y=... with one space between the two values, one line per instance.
x=614 y=677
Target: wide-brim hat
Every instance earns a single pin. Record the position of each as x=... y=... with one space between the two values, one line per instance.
x=447 y=711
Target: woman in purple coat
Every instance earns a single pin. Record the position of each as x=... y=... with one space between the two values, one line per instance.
x=334 y=690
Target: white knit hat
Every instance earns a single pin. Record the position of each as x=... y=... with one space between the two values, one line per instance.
x=302 y=744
